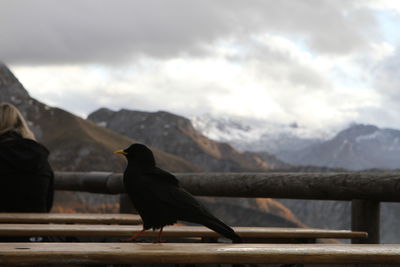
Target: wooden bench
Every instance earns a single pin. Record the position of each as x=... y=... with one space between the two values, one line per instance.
x=90 y=218
x=171 y=231
x=130 y=253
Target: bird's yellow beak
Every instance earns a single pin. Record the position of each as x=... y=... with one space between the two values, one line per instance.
x=120 y=152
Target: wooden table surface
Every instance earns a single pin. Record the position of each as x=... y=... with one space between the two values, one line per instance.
x=128 y=253
x=92 y=218
x=169 y=231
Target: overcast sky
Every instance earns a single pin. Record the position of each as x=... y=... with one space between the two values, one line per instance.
x=320 y=63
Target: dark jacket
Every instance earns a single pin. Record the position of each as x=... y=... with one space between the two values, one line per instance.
x=26 y=178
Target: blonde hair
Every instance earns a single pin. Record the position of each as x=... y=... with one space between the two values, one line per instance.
x=11 y=119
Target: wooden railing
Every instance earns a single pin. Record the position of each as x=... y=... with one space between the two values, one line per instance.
x=365 y=190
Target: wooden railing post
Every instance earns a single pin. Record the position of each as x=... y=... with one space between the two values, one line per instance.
x=365 y=217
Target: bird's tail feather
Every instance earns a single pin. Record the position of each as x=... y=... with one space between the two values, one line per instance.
x=223 y=229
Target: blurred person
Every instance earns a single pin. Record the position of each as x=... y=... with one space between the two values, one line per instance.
x=26 y=178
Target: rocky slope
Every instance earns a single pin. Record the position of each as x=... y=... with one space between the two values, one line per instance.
x=176 y=135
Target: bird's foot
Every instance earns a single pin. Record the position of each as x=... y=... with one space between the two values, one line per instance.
x=133 y=238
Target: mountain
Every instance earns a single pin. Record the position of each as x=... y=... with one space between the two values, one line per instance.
x=75 y=144
x=176 y=135
x=358 y=147
x=79 y=145
x=258 y=135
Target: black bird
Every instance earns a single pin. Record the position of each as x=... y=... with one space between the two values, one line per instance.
x=160 y=200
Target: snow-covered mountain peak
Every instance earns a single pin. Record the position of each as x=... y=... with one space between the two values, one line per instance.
x=256 y=134
x=233 y=127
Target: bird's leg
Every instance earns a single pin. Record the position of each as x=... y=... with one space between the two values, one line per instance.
x=159 y=235
x=132 y=238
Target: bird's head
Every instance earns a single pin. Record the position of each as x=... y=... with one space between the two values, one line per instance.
x=138 y=154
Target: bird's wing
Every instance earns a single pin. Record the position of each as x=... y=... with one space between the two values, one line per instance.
x=179 y=204
x=161 y=176
x=165 y=188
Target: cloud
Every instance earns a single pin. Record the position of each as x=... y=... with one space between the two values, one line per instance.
x=82 y=89
x=111 y=32
x=284 y=83
x=385 y=78
x=321 y=63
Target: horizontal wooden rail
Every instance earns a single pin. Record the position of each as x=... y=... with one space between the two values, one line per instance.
x=173 y=231
x=328 y=186
x=365 y=189
x=89 y=218
x=130 y=253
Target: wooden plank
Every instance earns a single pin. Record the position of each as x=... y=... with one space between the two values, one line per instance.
x=172 y=231
x=130 y=253
x=89 y=218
